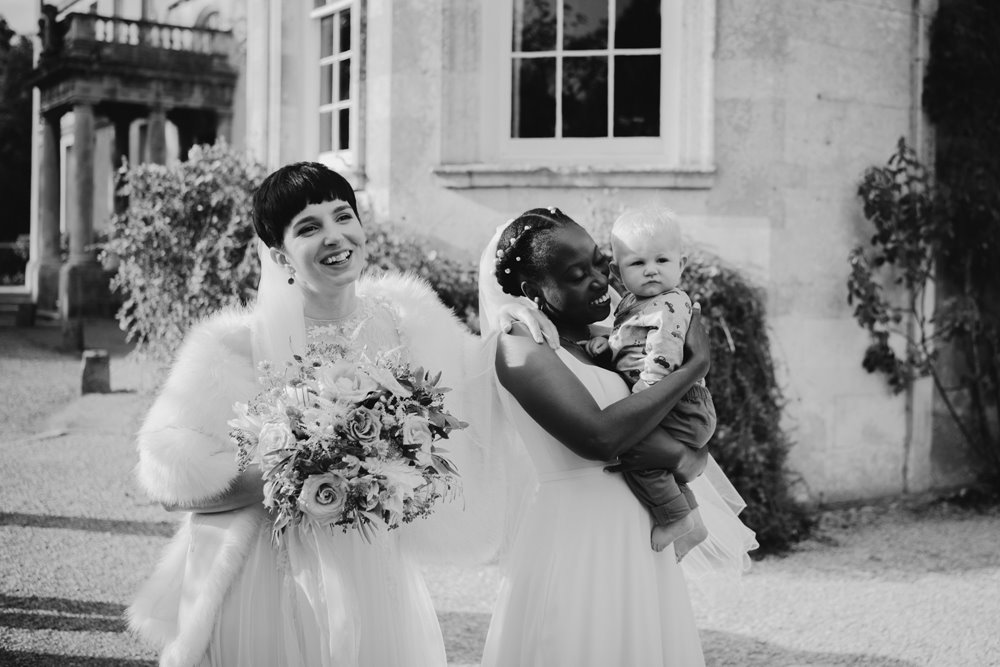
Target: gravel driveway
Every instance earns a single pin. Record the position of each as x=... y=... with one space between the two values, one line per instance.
x=904 y=583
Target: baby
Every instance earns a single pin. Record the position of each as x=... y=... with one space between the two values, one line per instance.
x=646 y=344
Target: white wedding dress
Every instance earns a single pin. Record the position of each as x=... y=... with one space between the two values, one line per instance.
x=327 y=598
x=582 y=585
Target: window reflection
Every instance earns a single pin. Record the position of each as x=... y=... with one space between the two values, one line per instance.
x=637 y=96
x=344 y=76
x=533 y=103
x=585 y=24
x=637 y=24
x=326 y=36
x=534 y=25
x=585 y=97
x=325 y=84
x=345 y=30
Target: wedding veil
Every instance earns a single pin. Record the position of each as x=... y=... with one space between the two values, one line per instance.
x=279 y=327
x=714 y=567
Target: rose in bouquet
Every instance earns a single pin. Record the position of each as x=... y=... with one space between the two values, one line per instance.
x=348 y=443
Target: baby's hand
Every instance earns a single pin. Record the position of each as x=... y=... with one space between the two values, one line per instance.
x=597 y=346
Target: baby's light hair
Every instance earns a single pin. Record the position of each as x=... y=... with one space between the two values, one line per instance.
x=645 y=222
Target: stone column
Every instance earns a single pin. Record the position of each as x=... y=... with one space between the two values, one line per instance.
x=82 y=288
x=46 y=263
x=224 y=126
x=81 y=235
x=120 y=152
x=156 y=136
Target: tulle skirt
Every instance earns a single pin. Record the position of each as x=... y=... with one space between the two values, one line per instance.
x=326 y=600
x=714 y=569
x=583 y=587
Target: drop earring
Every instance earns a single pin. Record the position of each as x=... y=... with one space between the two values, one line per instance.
x=291 y=280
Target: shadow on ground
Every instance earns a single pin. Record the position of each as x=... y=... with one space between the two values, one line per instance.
x=465 y=636
x=723 y=649
x=25 y=659
x=115 y=526
x=47 y=613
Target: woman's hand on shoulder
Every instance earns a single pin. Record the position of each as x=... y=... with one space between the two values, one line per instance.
x=697 y=346
x=537 y=325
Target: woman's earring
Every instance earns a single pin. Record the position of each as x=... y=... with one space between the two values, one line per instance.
x=291 y=280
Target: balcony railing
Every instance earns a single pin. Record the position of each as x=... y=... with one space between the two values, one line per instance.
x=82 y=29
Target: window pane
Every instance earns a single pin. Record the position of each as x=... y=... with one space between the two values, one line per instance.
x=637 y=96
x=585 y=24
x=637 y=24
x=325 y=84
x=326 y=36
x=344 y=18
x=533 y=103
x=344 y=127
x=344 y=80
x=585 y=97
x=534 y=25
x=325 y=132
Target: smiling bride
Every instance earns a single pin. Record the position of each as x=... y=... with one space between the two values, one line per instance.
x=224 y=594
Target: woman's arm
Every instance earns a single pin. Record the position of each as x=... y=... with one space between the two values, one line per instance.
x=246 y=489
x=554 y=397
x=660 y=451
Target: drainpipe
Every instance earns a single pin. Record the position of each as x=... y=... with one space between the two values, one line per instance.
x=919 y=399
x=274 y=95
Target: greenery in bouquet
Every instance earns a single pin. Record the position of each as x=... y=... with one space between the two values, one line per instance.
x=348 y=443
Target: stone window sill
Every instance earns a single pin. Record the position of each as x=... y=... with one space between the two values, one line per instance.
x=475 y=175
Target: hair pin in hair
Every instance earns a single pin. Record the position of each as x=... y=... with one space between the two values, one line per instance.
x=527 y=227
x=506 y=270
x=552 y=210
x=517 y=259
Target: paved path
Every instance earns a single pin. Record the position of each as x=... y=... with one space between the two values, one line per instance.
x=888 y=585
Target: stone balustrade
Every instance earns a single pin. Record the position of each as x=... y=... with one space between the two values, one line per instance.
x=82 y=29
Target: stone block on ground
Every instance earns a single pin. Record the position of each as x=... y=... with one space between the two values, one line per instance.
x=96 y=377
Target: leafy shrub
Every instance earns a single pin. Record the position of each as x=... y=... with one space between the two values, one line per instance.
x=913 y=253
x=927 y=277
x=454 y=281
x=749 y=443
x=184 y=244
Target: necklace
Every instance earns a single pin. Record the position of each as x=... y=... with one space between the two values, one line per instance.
x=578 y=344
x=334 y=320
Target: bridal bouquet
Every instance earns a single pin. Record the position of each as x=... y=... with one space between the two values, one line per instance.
x=348 y=443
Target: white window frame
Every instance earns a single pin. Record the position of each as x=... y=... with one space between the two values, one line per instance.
x=686 y=141
x=349 y=160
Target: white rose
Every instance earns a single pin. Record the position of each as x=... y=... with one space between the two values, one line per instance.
x=274 y=436
x=323 y=497
x=343 y=381
x=416 y=431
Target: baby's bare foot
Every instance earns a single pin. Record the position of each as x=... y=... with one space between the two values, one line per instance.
x=663 y=536
x=692 y=538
